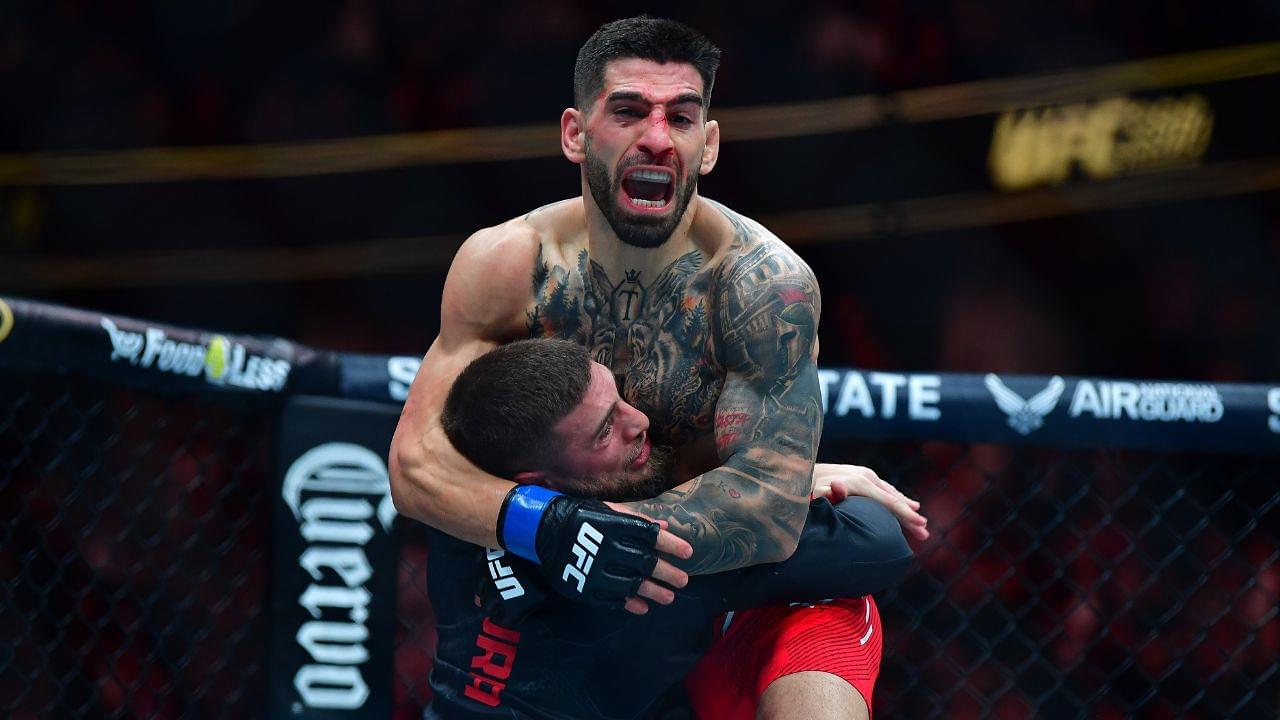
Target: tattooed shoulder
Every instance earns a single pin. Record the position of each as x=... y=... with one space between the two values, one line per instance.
x=766 y=294
x=745 y=229
x=557 y=292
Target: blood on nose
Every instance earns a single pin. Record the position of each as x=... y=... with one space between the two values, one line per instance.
x=656 y=137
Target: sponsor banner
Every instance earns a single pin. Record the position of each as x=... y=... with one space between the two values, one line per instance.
x=1052 y=411
x=155 y=356
x=1008 y=409
x=875 y=395
x=335 y=555
x=859 y=404
x=215 y=358
x=1101 y=138
x=6 y=320
x=1066 y=144
x=377 y=377
x=1273 y=405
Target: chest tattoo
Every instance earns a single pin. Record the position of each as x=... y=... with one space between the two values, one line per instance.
x=654 y=333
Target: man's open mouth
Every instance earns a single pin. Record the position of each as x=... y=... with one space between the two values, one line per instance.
x=648 y=188
x=642 y=455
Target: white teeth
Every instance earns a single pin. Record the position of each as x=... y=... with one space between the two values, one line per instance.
x=651 y=176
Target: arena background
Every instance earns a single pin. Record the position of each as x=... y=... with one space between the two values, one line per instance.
x=1067 y=188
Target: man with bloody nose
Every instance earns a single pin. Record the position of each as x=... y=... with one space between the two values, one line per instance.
x=706 y=320
x=642 y=155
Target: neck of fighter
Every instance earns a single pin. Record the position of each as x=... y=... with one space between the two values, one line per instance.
x=618 y=258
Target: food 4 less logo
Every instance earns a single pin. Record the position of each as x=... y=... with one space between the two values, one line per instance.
x=6 y=320
x=221 y=361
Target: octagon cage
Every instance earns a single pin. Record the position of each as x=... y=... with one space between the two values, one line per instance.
x=1101 y=548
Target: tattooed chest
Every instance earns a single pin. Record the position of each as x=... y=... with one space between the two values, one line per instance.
x=655 y=334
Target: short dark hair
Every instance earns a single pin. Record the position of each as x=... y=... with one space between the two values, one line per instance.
x=646 y=38
x=502 y=409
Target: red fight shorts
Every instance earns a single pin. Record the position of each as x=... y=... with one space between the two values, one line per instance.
x=842 y=637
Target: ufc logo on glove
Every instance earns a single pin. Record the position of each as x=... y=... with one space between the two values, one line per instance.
x=584 y=553
x=503 y=578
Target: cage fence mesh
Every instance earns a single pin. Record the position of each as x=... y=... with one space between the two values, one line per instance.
x=134 y=544
x=1056 y=584
x=1084 y=583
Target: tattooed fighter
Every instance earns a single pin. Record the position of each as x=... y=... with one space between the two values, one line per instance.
x=707 y=321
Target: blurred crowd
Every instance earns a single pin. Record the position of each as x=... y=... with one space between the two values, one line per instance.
x=79 y=74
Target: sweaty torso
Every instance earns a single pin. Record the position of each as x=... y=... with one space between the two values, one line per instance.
x=657 y=330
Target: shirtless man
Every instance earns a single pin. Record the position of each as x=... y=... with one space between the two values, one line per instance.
x=707 y=321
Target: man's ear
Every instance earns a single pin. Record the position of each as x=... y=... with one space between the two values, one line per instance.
x=711 y=151
x=537 y=477
x=573 y=135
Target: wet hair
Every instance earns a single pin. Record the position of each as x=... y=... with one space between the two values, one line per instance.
x=645 y=38
x=502 y=409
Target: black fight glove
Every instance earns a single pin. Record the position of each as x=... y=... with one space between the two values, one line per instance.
x=511 y=590
x=594 y=554
x=588 y=552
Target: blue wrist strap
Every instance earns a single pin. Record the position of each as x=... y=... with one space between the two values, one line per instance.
x=522 y=513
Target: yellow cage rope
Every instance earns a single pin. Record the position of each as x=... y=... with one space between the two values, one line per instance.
x=490 y=144
x=805 y=227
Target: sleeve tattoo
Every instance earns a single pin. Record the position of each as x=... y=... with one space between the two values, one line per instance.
x=768 y=419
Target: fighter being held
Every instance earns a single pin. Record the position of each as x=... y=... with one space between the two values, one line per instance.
x=518 y=650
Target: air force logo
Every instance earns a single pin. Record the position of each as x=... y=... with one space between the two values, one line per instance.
x=1025 y=416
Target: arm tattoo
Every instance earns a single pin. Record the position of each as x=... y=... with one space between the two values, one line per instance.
x=768 y=418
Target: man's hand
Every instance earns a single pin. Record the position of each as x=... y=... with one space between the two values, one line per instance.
x=663 y=570
x=837 y=482
x=589 y=552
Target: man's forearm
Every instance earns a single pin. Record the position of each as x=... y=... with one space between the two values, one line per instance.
x=751 y=509
x=470 y=515
x=453 y=497
x=732 y=518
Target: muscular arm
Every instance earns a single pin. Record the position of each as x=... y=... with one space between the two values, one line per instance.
x=430 y=481
x=768 y=418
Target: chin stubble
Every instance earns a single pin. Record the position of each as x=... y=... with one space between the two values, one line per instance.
x=628 y=486
x=637 y=233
